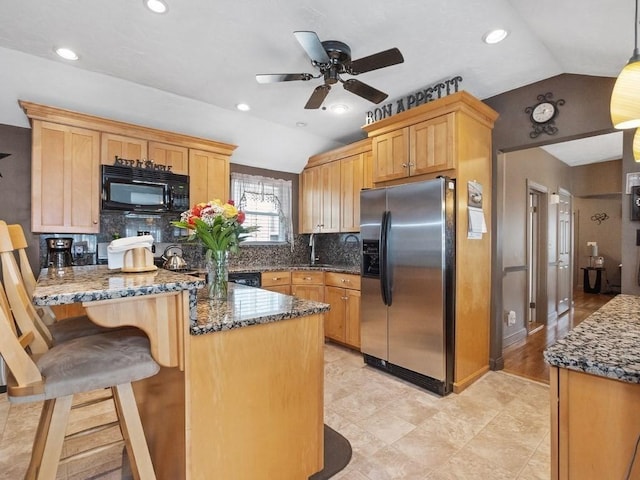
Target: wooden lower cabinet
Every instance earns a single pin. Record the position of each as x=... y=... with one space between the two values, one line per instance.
x=308 y=285
x=342 y=322
x=594 y=426
x=278 y=281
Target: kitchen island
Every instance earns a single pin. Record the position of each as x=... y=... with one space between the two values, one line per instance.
x=240 y=394
x=595 y=394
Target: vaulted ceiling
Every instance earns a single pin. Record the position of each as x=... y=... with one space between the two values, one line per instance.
x=187 y=69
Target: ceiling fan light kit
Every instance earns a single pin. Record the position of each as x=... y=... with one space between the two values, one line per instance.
x=333 y=58
x=625 y=97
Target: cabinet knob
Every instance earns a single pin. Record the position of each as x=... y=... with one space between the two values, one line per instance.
x=344 y=298
x=404 y=165
x=275 y=278
x=307 y=278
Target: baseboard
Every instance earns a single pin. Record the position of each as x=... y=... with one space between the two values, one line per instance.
x=458 y=387
x=514 y=338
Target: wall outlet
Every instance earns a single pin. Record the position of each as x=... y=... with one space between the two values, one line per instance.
x=511 y=318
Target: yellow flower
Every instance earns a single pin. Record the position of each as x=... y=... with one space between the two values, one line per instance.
x=230 y=211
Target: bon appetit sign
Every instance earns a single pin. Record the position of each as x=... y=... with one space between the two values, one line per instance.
x=429 y=94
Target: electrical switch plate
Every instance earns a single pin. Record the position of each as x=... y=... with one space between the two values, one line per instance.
x=511 y=318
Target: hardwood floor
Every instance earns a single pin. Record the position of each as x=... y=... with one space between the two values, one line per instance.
x=525 y=358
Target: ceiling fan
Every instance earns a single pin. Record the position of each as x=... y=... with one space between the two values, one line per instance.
x=333 y=58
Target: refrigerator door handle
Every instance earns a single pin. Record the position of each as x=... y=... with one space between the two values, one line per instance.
x=385 y=286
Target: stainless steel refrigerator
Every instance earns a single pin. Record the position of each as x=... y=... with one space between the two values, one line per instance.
x=407 y=304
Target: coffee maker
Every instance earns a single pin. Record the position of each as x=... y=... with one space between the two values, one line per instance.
x=59 y=252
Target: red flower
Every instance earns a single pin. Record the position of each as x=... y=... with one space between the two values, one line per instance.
x=240 y=218
x=231 y=202
x=196 y=210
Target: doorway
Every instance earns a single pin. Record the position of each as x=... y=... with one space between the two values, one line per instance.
x=536 y=256
x=565 y=247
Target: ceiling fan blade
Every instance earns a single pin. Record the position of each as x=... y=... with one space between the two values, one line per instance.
x=317 y=97
x=313 y=46
x=363 y=90
x=376 y=61
x=282 y=77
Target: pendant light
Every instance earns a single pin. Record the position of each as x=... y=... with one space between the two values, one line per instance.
x=625 y=98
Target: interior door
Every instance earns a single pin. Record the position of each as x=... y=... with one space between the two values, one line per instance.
x=564 y=253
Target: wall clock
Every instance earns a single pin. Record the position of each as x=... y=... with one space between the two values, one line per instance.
x=543 y=115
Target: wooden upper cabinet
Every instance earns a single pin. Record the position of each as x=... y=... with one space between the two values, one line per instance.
x=391 y=155
x=351 y=182
x=123 y=147
x=367 y=170
x=431 y=145
x=175 y=156
x=320 y=199
x=330 y=212
x=65 y=179
x=208 y=176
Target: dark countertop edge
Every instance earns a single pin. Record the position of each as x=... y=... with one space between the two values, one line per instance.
x=116 y=294
x=276 y=268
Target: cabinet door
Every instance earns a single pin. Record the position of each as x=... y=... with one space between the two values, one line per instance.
x=351 y=179
x=432 y=145
x=208 y=176
x=391 y=155
x=330 y=217
x=310 y=200
x=367 y=170
x=308 y=292
x=65 y=179
x=170 y=155
x=334 y=319
x=113 y=146
x=352 y=318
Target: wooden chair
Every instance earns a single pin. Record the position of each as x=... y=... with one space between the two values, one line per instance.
x=20 y=245
x=19 y=294
x=109 y=360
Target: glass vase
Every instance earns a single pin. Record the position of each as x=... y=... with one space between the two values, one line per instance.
x=217 y=274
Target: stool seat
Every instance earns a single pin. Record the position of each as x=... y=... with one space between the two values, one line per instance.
x=90 y=363
x=74 y=327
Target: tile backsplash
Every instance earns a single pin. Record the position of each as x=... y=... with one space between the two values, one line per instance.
x=338 y=249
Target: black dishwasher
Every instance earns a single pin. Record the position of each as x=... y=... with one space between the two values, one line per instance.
x=251 y=279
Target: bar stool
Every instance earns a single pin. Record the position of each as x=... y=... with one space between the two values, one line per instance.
x=111 y=360
x=19 y=293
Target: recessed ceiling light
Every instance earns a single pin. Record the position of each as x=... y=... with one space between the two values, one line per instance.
x=67 y=53
x=339 y=108
x=243 y=107
x=301 y=124
x=156 y=6
x=495 y=36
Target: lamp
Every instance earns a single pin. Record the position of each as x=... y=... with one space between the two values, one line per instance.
x=554 y=199
x=636 y=146
x=625 y=98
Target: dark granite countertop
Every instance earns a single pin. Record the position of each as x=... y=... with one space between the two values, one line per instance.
x=246 y=306
x=322 y=267
x=97 y=282
x=607 y=343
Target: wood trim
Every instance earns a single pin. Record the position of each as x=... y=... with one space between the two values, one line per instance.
x=457 y=102
x=68 y=117
x=460 y=385
x=554 y=401
x=356 y=148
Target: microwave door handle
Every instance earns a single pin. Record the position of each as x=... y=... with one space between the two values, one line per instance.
x=146 y=182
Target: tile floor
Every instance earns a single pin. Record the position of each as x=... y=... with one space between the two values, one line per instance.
x=496 y=429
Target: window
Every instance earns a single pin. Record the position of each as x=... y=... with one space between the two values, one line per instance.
x=266 y=203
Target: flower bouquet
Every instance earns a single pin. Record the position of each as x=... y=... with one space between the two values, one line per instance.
x=219 y=227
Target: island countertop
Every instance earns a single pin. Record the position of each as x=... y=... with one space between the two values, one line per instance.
x=247 y=306
x=96 y=282
x=607 y=343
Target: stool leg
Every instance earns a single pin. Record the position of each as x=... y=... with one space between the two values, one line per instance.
x=47 y=446
x=132 y=432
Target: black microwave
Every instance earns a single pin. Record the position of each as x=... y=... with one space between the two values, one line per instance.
x=143 y=190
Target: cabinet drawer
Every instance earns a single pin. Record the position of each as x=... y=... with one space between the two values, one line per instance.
x=270 y=279
x=306 y=277
x=344 y=280
x=284 y=289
